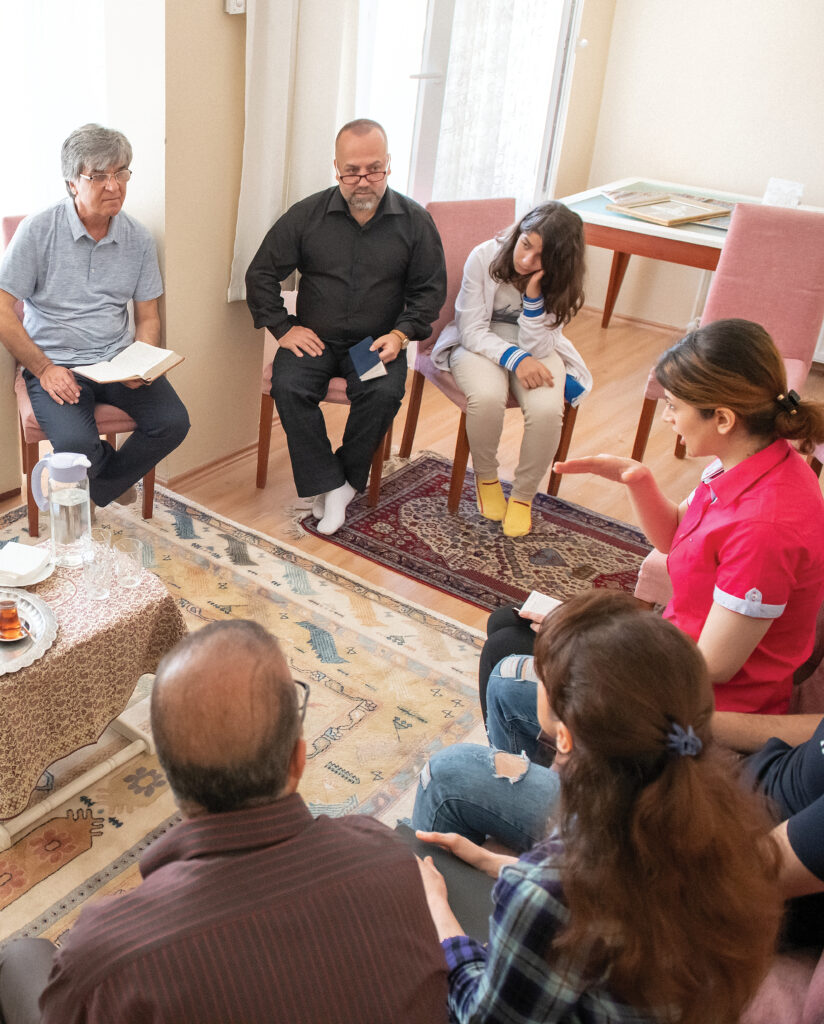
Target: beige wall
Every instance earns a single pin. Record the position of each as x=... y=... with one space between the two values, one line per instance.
x=585 y=97
x=711 y=94
x=220 y=379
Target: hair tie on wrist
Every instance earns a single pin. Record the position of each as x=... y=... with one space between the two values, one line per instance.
x=683 y=742
x=789 y=402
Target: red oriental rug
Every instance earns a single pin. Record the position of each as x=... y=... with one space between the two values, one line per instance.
x=569 y=549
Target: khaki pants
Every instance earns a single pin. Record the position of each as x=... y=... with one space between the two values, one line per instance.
x=487 y=385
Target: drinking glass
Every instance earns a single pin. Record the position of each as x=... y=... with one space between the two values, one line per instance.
x=97 y=572
x=128 y=561
x=102 y=535
x=9 y=620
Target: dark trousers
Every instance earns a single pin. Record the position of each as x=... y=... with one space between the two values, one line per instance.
x=25 y=965
x=299 y=385
x=507 y=633
x=161 y=418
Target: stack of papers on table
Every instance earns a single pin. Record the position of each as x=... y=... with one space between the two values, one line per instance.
x=21 y=564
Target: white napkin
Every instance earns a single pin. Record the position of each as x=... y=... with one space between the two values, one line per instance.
x=20 y=561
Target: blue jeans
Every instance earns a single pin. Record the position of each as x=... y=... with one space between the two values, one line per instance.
x=161 y=418
x=512 y=707
x=483 y=791
x=479 y=791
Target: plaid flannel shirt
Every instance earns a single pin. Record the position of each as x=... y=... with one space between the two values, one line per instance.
x=511 y=981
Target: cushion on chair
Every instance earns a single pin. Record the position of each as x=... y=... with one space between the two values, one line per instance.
x=784 y=247
x=653 y=389
x=108 y=418
x=462 y=224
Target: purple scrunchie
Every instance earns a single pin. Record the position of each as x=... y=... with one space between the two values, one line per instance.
x=683 y=742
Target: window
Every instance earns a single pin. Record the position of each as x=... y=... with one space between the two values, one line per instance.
x=490 y=92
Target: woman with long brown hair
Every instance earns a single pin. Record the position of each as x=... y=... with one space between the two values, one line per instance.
x=656 y=897
x=518 y=291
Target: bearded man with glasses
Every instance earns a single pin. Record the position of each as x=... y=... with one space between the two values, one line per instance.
x=76 y=266
x=371 y=264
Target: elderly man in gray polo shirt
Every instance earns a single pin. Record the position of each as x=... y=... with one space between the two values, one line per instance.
x=76 y=266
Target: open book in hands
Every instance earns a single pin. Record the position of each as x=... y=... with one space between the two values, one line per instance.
x=137 y=362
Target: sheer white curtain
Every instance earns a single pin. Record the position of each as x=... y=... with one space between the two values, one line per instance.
x=498 y=85
x=300 y=87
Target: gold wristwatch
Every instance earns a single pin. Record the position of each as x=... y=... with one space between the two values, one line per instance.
x=401 y=335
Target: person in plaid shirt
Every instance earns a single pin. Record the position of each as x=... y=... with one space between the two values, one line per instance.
x=656 y=897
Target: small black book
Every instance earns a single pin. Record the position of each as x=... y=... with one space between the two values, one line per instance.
x=470 y=890
x=367 y=363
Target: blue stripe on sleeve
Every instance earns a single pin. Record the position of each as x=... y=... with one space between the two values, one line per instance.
x=512 y=356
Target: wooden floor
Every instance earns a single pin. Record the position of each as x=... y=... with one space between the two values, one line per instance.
x=619 y=358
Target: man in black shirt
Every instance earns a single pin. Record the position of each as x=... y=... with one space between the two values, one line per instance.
x=371 y=264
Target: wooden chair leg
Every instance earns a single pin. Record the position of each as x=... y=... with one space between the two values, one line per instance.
x=412 y=411
x=815 y=465
x=376 y=468
x=644 y=427
x=680 y=448
x=267 y=410
x=30 y=452
x=567 y=426
x=148 y=493
x=458 y=466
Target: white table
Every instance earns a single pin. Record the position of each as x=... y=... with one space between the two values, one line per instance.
x=691 y=245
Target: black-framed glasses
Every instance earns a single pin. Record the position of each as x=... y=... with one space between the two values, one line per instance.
x=303 y=697
x=121 y=177
x=355 y=179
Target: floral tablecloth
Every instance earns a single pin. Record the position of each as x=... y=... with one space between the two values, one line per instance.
x=67 y=698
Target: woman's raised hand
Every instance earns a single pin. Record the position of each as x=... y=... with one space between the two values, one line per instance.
x=611 y=467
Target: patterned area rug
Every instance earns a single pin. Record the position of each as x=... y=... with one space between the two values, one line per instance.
x=391 y=682
x=569 y=549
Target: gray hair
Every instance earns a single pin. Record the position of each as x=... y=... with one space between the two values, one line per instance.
x=95 y=147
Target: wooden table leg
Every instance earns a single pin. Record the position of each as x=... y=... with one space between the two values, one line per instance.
x=620 y=261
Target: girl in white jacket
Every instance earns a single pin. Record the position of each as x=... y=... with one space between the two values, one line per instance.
x=518 y=291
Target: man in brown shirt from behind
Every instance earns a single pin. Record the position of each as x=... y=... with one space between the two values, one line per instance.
x=249 y=910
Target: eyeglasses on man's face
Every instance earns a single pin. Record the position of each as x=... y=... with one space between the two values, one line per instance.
x=101 y=178
x=355 y=179
x=303 y=697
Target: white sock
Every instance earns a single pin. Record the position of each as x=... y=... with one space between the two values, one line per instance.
x=319 y=506
x=334 y=512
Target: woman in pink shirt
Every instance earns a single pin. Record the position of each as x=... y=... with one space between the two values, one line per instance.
x=745 y=551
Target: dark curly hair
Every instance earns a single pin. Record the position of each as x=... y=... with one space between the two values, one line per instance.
x=562 y=258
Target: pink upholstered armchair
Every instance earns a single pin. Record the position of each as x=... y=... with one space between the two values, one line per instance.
x=771 y=271
x=462 y=225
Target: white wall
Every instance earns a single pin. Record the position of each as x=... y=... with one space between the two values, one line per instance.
x=722 y=95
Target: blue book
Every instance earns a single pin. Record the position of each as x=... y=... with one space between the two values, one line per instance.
x=367 y=364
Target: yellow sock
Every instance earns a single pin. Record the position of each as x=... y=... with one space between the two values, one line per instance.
x=491 y=500
x=518 y=519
